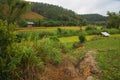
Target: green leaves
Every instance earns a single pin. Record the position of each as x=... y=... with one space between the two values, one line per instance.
x=11 y=10
x=49 y=51
x=114 y=20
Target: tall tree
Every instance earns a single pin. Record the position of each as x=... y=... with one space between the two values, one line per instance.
x=11 y=10
x=114 y=20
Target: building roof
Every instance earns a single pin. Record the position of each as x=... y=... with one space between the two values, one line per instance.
x=31 y=23
x=105 y=33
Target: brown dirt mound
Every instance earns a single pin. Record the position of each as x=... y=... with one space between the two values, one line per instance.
x=84 y=70
x=64 y=71
x=88 y=67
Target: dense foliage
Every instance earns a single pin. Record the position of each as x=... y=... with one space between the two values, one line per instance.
x=95 y=19
x=113 y=20
x=19 y=60
x=57 y=16
x=11 y=10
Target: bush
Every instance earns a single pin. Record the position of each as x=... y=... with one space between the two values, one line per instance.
x=91 y=28
x=49 y=51
x=59 y=30
x=22 y=23
x=66 y=33
x=17 y=61
x=23 y=61
x=54 y=38
x=33 y=35
x=82 y=38
x=43 y=34
x=76 y=44
x=93 y=32
x=112 y=31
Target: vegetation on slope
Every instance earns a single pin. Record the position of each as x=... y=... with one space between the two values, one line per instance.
x=56 y=13
x=95 y=19
x=32 y=15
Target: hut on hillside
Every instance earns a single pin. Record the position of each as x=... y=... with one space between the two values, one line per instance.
x=30 y=24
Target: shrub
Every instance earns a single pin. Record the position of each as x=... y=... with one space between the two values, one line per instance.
x=54 y=38
x=66 y=33
x=82 y=38
x=43 y=34
x=22 y=23
x=76 y=44
x=59 y=30
x=93 y=32
x=91 y=28
x=17 y=61
x=49 y=51
x=23 y=61
x=112 y=31
x=33 y=35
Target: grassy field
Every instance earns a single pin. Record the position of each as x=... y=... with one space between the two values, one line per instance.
x=75 y=38
x=88 y=38
x=108 y=56
x=108 y=49
x=48 y=28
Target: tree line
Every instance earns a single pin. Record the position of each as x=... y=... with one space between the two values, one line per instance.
x=56 y=16
x=96 y=19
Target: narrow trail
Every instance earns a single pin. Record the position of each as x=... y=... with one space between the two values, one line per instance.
x=88 y=67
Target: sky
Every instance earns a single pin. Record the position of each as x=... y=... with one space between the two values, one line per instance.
x=86 y=6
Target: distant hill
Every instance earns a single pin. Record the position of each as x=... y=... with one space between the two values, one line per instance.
x=53 y=15
x=32 y=15
x=53 y=11
x=92 y=18
x=57 y=13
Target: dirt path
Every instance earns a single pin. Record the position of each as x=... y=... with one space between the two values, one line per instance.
x=88 y=68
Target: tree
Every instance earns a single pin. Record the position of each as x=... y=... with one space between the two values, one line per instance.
x=114 y=20
x=11 y=10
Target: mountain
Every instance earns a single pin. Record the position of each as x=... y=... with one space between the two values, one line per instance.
x=43 y=14
x=93 y=18
x=57 y=13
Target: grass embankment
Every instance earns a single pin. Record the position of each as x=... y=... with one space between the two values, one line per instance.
x=108 y=57
x=75 y=38
x=48 y=28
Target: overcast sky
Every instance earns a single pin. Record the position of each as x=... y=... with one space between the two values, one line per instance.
x=86 y=6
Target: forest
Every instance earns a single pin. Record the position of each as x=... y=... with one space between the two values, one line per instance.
x=58 y=16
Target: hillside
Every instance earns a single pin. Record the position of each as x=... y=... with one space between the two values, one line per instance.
x=32 y=15
x=92 y=18
x=57 y=13
x=52 y=15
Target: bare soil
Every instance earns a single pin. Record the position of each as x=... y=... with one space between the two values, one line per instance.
x=86 y=69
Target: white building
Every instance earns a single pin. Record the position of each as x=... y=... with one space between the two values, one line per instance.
x=105 y=34
x=30 y=24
